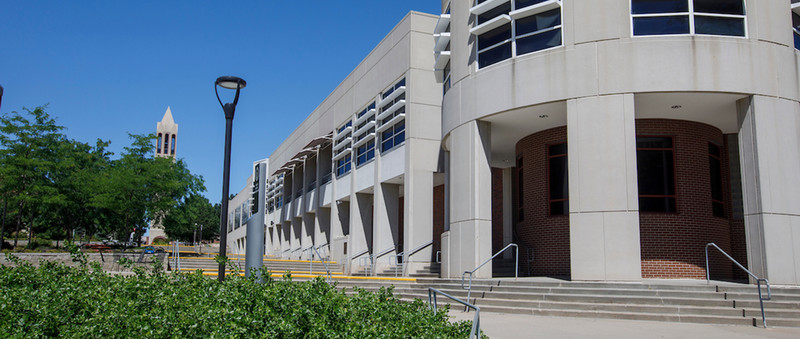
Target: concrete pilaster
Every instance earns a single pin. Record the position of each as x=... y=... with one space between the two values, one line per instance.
x=386 y=224
x=422 y=159
x=307 y=234
x=286 y=236
x=322 y=230
x=295 y=233
x=360 y=241
x=603 y=189
x=769 y=139
x=340 y=221
x=470 y=235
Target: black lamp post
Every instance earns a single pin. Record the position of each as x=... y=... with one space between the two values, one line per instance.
x=228 y=82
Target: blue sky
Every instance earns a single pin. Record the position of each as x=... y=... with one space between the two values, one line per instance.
x=107 y=68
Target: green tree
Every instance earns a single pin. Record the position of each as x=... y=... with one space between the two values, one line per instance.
x=193 y=214
x=28 y=150
x=138 y=188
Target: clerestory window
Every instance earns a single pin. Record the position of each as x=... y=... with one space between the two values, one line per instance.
x=676 y=17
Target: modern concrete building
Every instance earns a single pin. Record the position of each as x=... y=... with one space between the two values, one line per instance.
x=238 y=212
x=618 y=137
x=611 y=140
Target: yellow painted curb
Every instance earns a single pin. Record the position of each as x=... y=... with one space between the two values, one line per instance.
x=276 y=275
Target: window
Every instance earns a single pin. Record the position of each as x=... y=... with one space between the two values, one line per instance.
x=166 y=142
x=670 y=17
x=172 y=145
x=715 y=166
x=365 y=153
x=342 y=149
x=511 y=28
x=343 y=166
x=558 y=181
x=656 y=170
x=393 y=136
x=520 y=190
x=446 y=82
x=391 y=119
x=279 y=201
x=441 y=50
x=158 y=144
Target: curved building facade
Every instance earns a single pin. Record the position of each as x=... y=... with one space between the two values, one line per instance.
x=622 y=136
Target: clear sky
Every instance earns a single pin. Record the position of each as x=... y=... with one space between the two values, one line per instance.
x=107 y=68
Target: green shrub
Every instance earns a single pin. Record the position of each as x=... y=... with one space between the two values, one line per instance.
x=54 y=300
x=39 y=243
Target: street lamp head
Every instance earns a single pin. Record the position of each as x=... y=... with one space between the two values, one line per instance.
x=230 y=82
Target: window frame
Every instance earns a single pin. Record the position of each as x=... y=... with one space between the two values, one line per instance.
x=520 y=174
x=550 y=157
x=691 y=14
x=512 y=40
x=721 y=180
x=674 y=172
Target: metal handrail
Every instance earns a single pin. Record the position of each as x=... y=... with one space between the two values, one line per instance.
x=476 y=321
x=366 y=251
x=402 y=255
x=471 y=273
x=761 y=298
x=329 y=276
x=292 y=253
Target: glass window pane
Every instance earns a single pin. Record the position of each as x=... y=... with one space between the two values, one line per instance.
x=499 y=10
x=557 y=149
x=559 y=180
x=718 y=26
x=735 y=7
x=525 y=3
x=718 y=209
x=494 y=37
x=796 y=40
x=653 y=142
x=538 y=42
x=538 y=22
x=559 y=207
x=716 y=178
x=494 y=55
x=655 y=171
x=661 y=25
x=659 y=6
x=665 y=204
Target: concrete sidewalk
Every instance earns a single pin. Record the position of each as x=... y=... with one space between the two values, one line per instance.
x=500 y=326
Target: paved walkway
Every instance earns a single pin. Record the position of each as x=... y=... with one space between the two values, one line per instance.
x=500 y=325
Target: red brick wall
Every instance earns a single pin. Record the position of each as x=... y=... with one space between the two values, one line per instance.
x=672 y=244
x=547 y=235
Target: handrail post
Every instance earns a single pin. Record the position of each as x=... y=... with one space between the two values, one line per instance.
x=476 y=320
x=758 y=280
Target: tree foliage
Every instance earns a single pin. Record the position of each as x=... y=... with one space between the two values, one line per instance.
x=195 y=213
x=55 y=185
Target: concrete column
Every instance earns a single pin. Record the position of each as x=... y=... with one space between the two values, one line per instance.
x=386 y=224
x=340 y=223
x=470 y=235
x=286 y=242
x=322 y=230
x=295 y=237
x=360 y=229
x=603 y=189
x=307 y=234
x=422 y=158
x=769 y=139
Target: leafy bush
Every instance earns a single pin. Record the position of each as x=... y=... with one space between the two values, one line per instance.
x=39 y=243
x=84 y=302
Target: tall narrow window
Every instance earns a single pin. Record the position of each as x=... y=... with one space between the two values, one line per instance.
x=715 y=165
x=558 y=181
x=796 y=27
x=158 y=144
x=520 y=189
x=655 y=164
x=166 y=142
x=172 y=145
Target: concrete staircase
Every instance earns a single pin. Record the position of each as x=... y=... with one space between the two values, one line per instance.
x=277 y=266
x=679 y=301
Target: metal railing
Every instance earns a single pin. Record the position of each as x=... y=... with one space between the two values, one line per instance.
x=176 y=256
x=761 y=298
x=291 y=254
x=471 y=273
x=401 y=256
x=328 y=275
x=476 y=321
x=361 y=260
